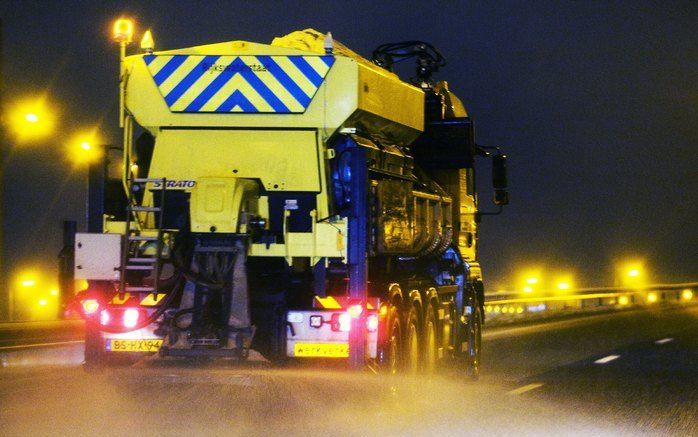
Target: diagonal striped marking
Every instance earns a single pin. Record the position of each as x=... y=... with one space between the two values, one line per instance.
x=296 y=75
x=308 y=71
x=237 y=83
x=274 y=86
x=317 y=64
x=237 y=99
x=156 y=64
x=148 y=59
x=179 y=75
x=285 y=80
x=150 y=301
x=328 y=303
x=328 y=60
x=118 y=301
x=198 y=71
x=259 y=86
x=213 y=87
x=169 y=68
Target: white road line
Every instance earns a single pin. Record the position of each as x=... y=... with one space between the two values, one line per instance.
x=525 y=388
x=607 y=359
x=664 y=340
x=27 y=346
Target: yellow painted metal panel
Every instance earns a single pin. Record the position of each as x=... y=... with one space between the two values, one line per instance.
x=282 y=160
x=149 y=300
x=216 y=203
x=328 y=303
x=382 y=94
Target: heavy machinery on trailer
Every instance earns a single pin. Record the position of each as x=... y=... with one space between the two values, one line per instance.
x=295 y=199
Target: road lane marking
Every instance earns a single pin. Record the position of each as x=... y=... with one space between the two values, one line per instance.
x=37 y=345
x=607 y=359
x=525 y=388
x=664 y=340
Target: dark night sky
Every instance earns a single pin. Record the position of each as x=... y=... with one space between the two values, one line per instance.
x=594 y=102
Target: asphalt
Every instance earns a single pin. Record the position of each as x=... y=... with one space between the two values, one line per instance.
x=16 y=334
x=540 y=379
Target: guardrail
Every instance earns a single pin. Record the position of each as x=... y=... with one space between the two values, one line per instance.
x=502 y=308
x=510 y=306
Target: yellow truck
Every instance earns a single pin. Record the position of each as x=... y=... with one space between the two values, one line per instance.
x=292 y=198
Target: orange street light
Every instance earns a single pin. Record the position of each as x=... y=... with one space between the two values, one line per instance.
x=30 y=120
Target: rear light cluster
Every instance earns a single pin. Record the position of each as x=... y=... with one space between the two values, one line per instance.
x=126 y=317
x=341 y=322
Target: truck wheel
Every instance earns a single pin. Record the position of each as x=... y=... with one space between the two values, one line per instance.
x=430 y=341
x=412 y=341
x=394 y=343
x=473 y=335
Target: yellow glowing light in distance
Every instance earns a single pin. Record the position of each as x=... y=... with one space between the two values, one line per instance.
x=623 y=300
x=81 y=148
x=123 y=30
x=488 y=308
x=28 y=282
x=53 y=292
x=633 y=273
x=497 y=309
x=30 y=120
x=563 y=286
x=687 y=294
x=43 y=302
x=528 y=289
x=532 y=280
x=519 y=310
x=651 y=297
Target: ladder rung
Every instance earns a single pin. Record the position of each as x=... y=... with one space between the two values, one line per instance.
x=141 y=238
x=144 y=208
x=143 y=260
x=146 y=180
x=139 y=267
x=139 y=289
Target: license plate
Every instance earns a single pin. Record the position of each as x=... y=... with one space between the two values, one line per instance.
x=321 y=350
x=149 y=345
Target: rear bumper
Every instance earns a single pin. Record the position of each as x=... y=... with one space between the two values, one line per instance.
x=306 y=341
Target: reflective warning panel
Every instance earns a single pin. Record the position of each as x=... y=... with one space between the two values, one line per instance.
x=247 y=84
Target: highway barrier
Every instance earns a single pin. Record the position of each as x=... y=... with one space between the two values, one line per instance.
x=510 y=307
x=19 y=338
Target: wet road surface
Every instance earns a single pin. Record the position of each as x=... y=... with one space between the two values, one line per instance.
x=629 y=373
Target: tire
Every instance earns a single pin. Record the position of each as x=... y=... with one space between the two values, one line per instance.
x=413 y=343
x=473 y=337
x=394 y=347
x=430 y=342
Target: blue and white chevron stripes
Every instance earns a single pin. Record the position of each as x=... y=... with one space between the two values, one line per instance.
x=248 y=84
